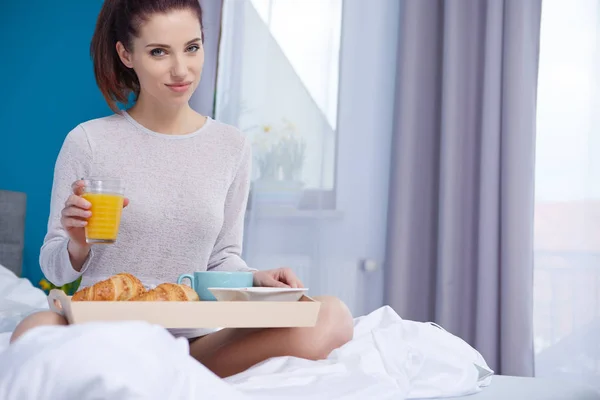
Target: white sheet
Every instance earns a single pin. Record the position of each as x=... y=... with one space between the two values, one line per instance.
x=389 y=358
x=18 y=298
x=127 y=360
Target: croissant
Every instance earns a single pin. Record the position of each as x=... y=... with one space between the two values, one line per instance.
x=120 y=287
x=168 y=292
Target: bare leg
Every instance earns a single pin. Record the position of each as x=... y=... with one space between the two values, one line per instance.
x=231 y=351
x=37 y=319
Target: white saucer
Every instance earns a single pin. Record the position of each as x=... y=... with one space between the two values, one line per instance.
x=258 y=294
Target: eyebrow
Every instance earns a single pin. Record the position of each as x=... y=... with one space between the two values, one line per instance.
x=167 y=46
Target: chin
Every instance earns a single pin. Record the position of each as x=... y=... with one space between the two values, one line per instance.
x=176 y=101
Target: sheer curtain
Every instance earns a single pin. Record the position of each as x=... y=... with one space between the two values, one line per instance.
x=567 y=208
x=311 y=84
x=278 y=82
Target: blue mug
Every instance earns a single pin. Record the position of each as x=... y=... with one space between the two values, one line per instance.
x=201 y=281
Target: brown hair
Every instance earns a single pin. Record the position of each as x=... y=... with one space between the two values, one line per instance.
x=120 y=21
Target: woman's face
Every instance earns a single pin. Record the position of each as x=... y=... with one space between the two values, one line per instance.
x=167 y=57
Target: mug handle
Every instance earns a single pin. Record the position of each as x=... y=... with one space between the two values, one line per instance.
x=186 y=276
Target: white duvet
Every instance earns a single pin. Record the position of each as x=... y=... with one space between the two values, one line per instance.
x=389 y=358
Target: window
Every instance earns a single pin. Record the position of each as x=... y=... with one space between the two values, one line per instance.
x=278 y=81
x=567 y=205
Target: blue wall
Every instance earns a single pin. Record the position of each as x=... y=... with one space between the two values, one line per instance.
x=48 y=88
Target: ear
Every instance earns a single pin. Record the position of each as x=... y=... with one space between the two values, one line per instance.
x=124 y=55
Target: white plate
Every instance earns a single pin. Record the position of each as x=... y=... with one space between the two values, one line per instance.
x=258 y=294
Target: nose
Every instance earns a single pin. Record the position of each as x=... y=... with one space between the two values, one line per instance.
x=179 y=68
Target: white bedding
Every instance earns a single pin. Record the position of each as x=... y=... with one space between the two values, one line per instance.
x=389 y=358
x=18 y=298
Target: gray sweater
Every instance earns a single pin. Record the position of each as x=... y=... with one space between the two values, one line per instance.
x=187 y=193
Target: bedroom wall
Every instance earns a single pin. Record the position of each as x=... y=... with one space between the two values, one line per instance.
x=48 y=88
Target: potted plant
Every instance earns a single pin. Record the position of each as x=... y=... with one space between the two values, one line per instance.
x=280 y=156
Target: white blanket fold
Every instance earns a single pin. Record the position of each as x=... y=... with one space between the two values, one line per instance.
x=128 y=360
x=388 y=358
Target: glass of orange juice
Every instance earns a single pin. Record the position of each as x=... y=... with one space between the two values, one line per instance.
x=106 y=196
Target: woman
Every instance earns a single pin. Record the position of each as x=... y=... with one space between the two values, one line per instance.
x=187 y=178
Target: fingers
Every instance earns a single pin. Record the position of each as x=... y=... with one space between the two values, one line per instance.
x=125 y=202
x=276 y=283
x=77 y=201
x=289 y=277
x=74 y=217
x=296 y=284
x=292 y=283
x=75 y=212
x=280 y=278
x=72 y=222
x=78 y=187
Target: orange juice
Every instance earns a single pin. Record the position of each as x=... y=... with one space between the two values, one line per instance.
x=103 y=225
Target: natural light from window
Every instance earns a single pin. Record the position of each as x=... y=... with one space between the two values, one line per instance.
x=567 y=204
x=308 y=32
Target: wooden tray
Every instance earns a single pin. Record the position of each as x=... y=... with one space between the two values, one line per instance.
x=190 y=314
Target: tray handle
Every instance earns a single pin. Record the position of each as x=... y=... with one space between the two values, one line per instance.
x=60 y=303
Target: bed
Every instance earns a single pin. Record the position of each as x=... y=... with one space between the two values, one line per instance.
x=364 y=369
x=517 y=388
x=367 y=368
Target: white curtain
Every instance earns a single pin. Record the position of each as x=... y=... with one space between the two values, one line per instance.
x=567 y=209
x=311 y=83
x=278 y=82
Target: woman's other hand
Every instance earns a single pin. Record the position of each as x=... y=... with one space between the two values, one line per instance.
x=280 y=277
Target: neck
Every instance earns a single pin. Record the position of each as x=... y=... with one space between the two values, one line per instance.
x=176 y=120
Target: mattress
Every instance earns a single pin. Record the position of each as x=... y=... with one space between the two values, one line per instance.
x=516 y=388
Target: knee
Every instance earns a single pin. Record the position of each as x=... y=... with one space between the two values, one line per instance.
x=335 y=327
x=35 y=320
x=336 y=320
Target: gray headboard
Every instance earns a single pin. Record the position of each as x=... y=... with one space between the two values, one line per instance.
x=12 y=229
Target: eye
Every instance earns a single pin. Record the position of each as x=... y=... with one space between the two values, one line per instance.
x=157 y=52
x=193 y=48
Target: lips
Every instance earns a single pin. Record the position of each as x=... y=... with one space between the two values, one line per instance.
x=179 y=87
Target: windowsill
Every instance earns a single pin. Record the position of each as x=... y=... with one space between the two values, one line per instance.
x=312 y=201
x=292 y=213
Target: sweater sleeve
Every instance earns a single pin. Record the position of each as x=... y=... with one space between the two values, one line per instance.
x=74 y=162
x=227 y=251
